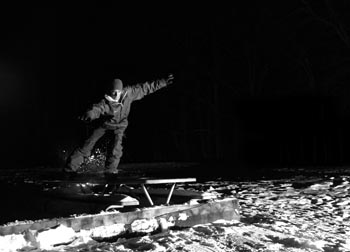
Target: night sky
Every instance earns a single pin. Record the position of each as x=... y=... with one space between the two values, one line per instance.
x=255 y=84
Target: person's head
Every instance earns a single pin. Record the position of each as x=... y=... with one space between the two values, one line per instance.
x=116 y=88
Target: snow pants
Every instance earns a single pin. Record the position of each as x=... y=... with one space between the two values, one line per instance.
x=114 y=151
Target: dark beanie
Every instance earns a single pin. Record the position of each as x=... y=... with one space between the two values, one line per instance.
x=117 y=84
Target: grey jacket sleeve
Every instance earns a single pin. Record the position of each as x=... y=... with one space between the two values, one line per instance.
x=97 y=110
x=138 y=91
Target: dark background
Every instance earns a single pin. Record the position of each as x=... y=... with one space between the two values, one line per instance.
x=258 y=84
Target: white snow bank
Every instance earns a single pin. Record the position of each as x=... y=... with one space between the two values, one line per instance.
x=11 y=243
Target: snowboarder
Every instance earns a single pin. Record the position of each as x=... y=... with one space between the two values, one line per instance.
x=113 y=111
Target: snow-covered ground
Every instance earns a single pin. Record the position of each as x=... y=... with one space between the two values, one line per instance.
x=301 y=213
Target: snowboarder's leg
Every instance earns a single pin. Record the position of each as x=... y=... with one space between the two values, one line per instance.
x=115 y=152
x=77 y=157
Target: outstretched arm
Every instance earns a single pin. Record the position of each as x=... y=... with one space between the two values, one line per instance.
x=95 y=112
x=140 y=90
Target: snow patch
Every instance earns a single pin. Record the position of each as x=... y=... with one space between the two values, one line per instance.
x=183 y=216
x=144 y=225
x=59 y=235
x=103 y=232
x=165 y=224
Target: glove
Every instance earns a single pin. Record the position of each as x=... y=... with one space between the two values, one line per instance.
x=170 y=79
x=87 y=117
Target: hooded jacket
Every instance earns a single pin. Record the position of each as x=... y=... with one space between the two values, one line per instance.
x=115 y=113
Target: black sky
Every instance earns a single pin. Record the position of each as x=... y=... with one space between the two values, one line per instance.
x=254 y=82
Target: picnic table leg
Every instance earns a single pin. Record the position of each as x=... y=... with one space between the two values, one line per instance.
x=147 y=195
x=170 y=193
